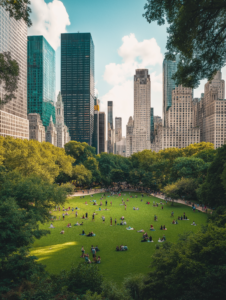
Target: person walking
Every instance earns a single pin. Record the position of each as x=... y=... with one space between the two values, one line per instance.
x=76 y=213
x=115 y=221
x=63 y=216
x=86 y=215
x=106 y=202
x=111 y=221
x=125 y=206
x=93 y=216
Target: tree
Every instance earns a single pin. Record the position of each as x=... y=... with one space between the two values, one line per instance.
x=82 y=175
x=117 y=175
x=206 y=155
x=79 y=151
x=212 y=191
x=184 y=187
x=92 y=165
x=134 y=285
x=18 y=9
x=9 y=76
x=193 y=268
x=188 y=167
x=202 y=52
x=34 y=158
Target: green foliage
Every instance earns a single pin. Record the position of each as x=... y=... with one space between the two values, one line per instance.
x=110 y=291
x=79 y=151
x=84 y=277
x=92 y=165
x=68 y=187
x=34 y=158
x=184 y=187
x=18 y=9
x=134 y=285
x=202 y=51
x=188 y=167
x=9 y=76
x=218 y=217
x=212 y=191
x=207 y=155
x=191 y=269
x=81 y=175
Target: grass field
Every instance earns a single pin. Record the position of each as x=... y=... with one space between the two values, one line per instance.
x=58 y=251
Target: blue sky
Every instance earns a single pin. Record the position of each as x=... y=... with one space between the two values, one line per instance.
x=123 y=41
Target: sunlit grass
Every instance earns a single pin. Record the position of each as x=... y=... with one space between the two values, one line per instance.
x=60 y=251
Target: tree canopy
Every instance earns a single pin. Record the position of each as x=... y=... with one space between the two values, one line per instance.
x=196 y=33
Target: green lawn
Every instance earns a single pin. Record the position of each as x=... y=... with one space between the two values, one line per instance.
x=58 y=251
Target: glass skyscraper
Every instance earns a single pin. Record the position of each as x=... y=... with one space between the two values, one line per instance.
x=169 y=68
x=13 y=39
x=78 y=85
x=41 y=78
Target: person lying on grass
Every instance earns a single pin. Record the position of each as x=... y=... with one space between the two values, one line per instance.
x=78 y=224
x=193 y=223
x=142 y=230
x=51 y=226
x=90 y=234
x=130 y=228
x=145 y=239
x=121 y=248
x=162 y=239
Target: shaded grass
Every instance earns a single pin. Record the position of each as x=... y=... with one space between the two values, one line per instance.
x=58 y=251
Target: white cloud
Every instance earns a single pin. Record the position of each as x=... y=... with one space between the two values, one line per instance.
x=135 y=55
x=49 y=20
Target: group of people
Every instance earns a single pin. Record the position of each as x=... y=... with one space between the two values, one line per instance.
x=121 y=248
x=146 y=238
x=163 y=227
x=163 y=239
x=94 y=250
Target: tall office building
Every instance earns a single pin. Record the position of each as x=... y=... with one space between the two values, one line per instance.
x=118 y=129
x=210 y=112
x=96 y=125
x=41 y=78
x=169 y=68
x=13 y=39
x=77 y=84
x=152 y=124
x=102 y=132
x=110 y=128
x=141 y=138
x=130 y=137
x=180 y=130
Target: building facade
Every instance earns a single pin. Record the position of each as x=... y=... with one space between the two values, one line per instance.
x=13 y=39
x=51 y=133
x=141 y=138
x=130 y=143
x=41 y=78
x=96 y=125
x=102 y=132
x=169 y=68
x=36 y=129
x=180 y=130
x=118 y=129
x=77 y=84
x=210 y=112
x=110 y=128
x=63 y=136
x=120 y=147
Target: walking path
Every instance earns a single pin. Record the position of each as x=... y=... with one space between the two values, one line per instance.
x=96 y=191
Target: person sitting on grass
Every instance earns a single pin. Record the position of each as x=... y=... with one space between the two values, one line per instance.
x=83 y=233
x=163 y=238
x=145 y=235
x=117 y=248
x=91 y=234
x=99 y=208
x=164 y=227
x=87 y=259
x=134 y=208
x=150 y=238
x=161 y=227
x=174 y=222
x=193 y=223
x=51 y=226
x=152 y=228
x=69 y=225
x=142 y=230
x=145 y=239
x=93 y=251
x=94 y=259
x=122 y=218
x=97 y=249
x=121 y=248
x=98 y=260
x=125 y=248
x=83 y=252
x=83 y=217
x=62 y=231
